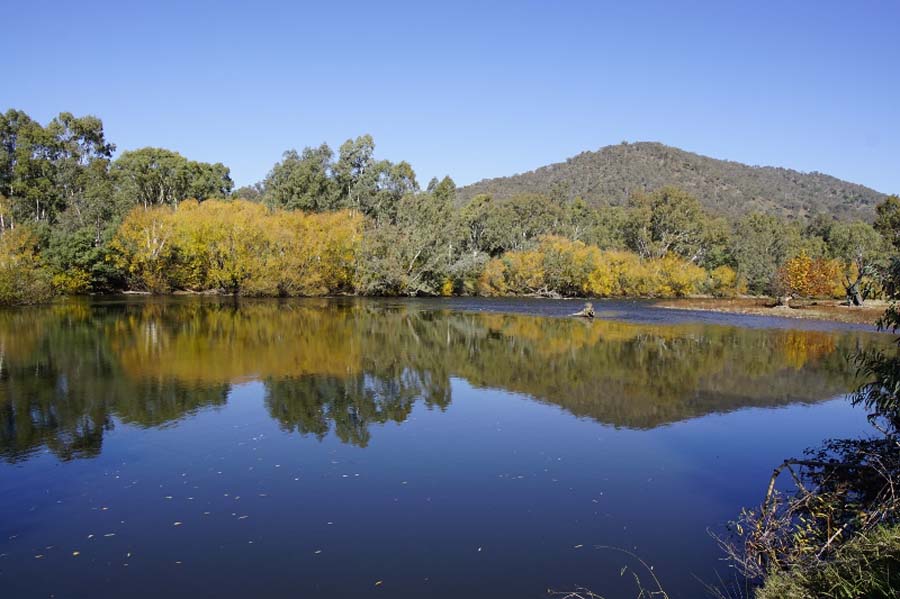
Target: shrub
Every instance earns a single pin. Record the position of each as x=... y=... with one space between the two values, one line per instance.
x=238 y=247
x=867 y=566
x=23 y=278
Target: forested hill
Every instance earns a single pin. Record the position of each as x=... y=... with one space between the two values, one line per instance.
x=609 y=175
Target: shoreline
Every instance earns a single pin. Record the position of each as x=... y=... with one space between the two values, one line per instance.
x=826 y=310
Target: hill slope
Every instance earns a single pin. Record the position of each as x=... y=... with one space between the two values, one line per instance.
x=609 y=175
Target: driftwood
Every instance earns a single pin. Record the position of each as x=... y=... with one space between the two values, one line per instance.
x=586 y=312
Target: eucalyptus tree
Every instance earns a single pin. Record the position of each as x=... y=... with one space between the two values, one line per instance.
x=156 y=176
x=887 y=220
x=82 y=173
x=355 y=173
x=665 y=221
x=413 y=254
x=518 y=222
x=302 y=181
x=45 y=171
x=860 y=247
x=760 y=244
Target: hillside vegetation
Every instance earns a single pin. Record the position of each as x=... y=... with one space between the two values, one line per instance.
x=75 y=219
x=609 y=176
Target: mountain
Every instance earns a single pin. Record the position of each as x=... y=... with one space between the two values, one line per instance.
x=609 y=176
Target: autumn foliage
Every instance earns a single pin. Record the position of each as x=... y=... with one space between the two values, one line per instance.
x=23 y=278
x=245 y=248
x=571 y=268
x=238 y=247
x=803 y=276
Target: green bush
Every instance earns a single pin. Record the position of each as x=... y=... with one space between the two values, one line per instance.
x=865 y=568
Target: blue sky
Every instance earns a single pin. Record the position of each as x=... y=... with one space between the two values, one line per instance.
x=471 y=89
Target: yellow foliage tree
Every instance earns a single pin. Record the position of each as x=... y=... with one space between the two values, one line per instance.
x=571 y=268
x=676 y=277
x=238 y=247
x=804 y=276
x=143 y=248
x=23 y=279
x=492 y=281
x=724 y=282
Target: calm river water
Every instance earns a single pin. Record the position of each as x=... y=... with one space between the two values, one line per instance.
x=351 y=448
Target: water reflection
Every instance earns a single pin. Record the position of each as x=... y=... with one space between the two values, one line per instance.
x=70 y=372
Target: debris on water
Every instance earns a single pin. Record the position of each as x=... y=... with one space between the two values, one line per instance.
x=578 y=546
x=479 y=550
x=317 y=551
x=110 y=534
x=76 y=553
x=378 y=583
x=176 y=524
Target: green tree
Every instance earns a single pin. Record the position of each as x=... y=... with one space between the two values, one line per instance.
x=887 y=220
x=760 y=245
x=60 y=168
x=157 y=177
x=412 y=256
x=667 y=220
x=302 y=181
x=26 y=162
x=518 y=222
x=445 y=189
x=859 y=246
x=354 y=173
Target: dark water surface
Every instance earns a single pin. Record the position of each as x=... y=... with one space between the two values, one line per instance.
x=465 y=448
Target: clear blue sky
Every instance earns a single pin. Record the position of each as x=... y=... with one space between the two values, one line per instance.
x=471 y=89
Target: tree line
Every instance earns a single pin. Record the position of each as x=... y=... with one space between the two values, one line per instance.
x=75 y=220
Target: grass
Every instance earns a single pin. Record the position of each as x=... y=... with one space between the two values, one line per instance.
x=867 y=567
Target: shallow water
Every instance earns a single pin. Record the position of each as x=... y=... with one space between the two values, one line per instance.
x=461 y=448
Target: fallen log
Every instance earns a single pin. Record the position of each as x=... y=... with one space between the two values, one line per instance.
x=586 y=312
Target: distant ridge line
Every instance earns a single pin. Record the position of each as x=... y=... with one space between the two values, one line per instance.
x=608 y=176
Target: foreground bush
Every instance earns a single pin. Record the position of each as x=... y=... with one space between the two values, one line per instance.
x=23 y=278
x=867 y=566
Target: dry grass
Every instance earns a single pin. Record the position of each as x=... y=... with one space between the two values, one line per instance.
x=832 y=310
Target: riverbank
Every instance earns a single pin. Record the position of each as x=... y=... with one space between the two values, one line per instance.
x=832 y=310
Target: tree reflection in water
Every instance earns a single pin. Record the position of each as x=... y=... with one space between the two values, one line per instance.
x=70 y=372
